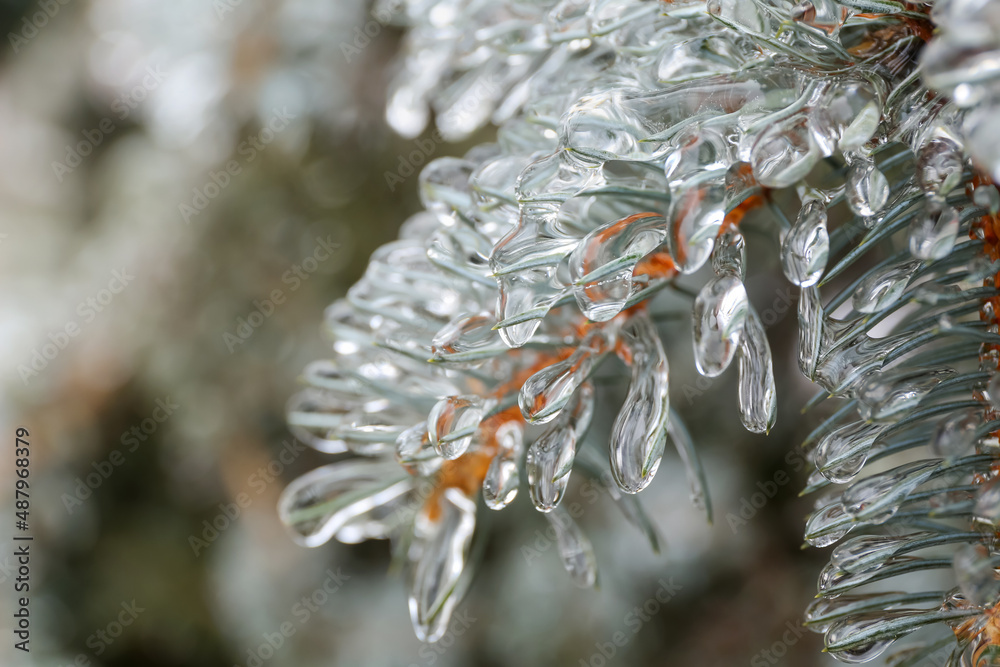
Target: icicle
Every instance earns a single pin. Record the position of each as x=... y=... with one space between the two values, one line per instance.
x=729 y=257
x=696 y=213
x=502 y=477
x=811 y=320
x=439 y=560
x=758 y=400
x=806 y=247
x=640 y=431
x=548 y=464
x=545 y=393
x=720 y=311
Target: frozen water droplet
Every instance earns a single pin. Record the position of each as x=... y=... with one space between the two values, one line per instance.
x=729 y=256
x=867 y=552
x=939 y=166
x=987 y=509
x=548 y=464
x=720 y=311
x=699 y=150
x=867 y=188
x=441 y=559
x=987 y=197
x=934 y=231
x=854 y=107
x=827 y=525
x=825 y=611
x=545 y=393
x=501 y=482
x=993 y=391
x=811 y=323
x=524 y=262
x=785 y=153
x=877 y=498
x=415 y=450
x=757 y=394
x=696 y=213
x=935 y=293
x=883 y=287
x=602 y=263
x=502 y=479
x=886 y=396
x=975 y=573
x=406 y=111
x=841 y=453
x=955 y=436
x=444 y=186
x=639 y=433
x=806 y=247
x=466 y=338
x=452 y=423
x=843 y=631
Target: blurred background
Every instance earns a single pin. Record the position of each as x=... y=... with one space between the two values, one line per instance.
x=185 y=186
